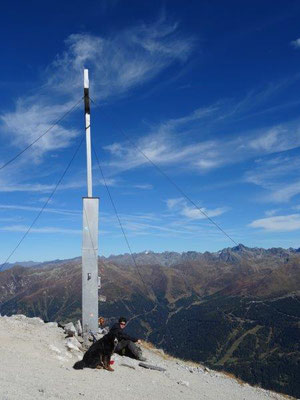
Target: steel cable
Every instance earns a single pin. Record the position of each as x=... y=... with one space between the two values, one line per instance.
x=122 y=228
x=37 y=139
x=44 y=206
x=171 y=181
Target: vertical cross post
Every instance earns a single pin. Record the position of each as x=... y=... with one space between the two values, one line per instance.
x=90 y=235
x=87 y=111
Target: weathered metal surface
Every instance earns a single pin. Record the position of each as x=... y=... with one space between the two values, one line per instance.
x=90 y=265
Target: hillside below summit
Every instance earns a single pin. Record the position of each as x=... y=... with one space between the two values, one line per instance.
x=35 y=364
x=235 y=310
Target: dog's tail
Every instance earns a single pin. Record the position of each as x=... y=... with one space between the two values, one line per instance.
x=79 y=365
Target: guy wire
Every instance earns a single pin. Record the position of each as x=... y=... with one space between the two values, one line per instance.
x=37 y=139
x=44 y=206
x=171 y=180
x=121 y=226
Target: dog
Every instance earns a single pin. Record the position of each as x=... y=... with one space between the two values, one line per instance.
x=99 y=354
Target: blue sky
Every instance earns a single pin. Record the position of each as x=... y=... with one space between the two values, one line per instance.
x=208 y=90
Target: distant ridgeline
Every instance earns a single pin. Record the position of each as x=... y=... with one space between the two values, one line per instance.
x=236 y=310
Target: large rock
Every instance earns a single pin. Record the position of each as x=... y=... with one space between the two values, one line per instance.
x=70 y=329
x=78 y=328
x=73 y=344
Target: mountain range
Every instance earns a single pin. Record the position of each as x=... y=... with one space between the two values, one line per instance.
x=235 y=310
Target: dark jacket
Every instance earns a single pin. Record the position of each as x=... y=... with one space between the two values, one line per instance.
x=119 y=332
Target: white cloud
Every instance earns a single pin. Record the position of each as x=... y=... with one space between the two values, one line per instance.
x=32 y=118
x=160 y=225
x=48 y=229
x=193 y=213
x=266 y=171
x=284 y=223
x=44 y=188
x=173 y=203
x=163 y=148
x=296 y=43
x=4 y=187
x=46 y=210
x=145 y=186
x=181 y=206
x=285 y=192
x=164 y=145
x=278 y=175
x=266 y=141
x=270 y=213
x=39 y=188
x=118 y=63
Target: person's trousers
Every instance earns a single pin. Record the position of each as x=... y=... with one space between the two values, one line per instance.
x=128 y=344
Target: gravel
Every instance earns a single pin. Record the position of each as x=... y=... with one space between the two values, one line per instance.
x=37 y=360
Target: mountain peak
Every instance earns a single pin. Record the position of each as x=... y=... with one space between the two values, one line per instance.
x=240 y=248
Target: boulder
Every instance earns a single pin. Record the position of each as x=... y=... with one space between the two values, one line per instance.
x=78 y=327
x=73 y=344
x=70 y=329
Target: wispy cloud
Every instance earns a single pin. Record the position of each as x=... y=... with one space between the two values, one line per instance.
x=145 y=186
x=181 y=206
x=256 y=102
x=47 y=230
x=161 y=149
x=278 y=175
x=283 y=223
x=30 y=119
x=270 y=213
x=165 y=145
x=118 y=63
x=284 y=193
x=296 y=43
x=172 y=222
x=193 y=213
x=46 y=210
x=45 y=188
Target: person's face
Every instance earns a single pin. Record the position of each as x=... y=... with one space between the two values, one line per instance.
x=122 y=325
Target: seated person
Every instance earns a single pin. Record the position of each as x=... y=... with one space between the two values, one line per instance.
x=126 y=342
x=102 y=329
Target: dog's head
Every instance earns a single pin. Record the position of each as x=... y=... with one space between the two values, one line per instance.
x=113 y=339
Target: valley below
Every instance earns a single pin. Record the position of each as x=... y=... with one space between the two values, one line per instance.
x=236 y=310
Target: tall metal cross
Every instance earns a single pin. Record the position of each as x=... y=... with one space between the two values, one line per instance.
x=90 y=233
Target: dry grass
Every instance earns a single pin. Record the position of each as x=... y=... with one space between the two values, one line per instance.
x=288 y=397
x=242 y=383
x=166 y=356
x=229 y=375
x=161 y=353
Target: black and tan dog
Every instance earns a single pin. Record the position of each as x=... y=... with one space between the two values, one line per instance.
x=99 y=354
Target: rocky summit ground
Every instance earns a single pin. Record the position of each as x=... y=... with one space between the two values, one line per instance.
x=36 y=363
